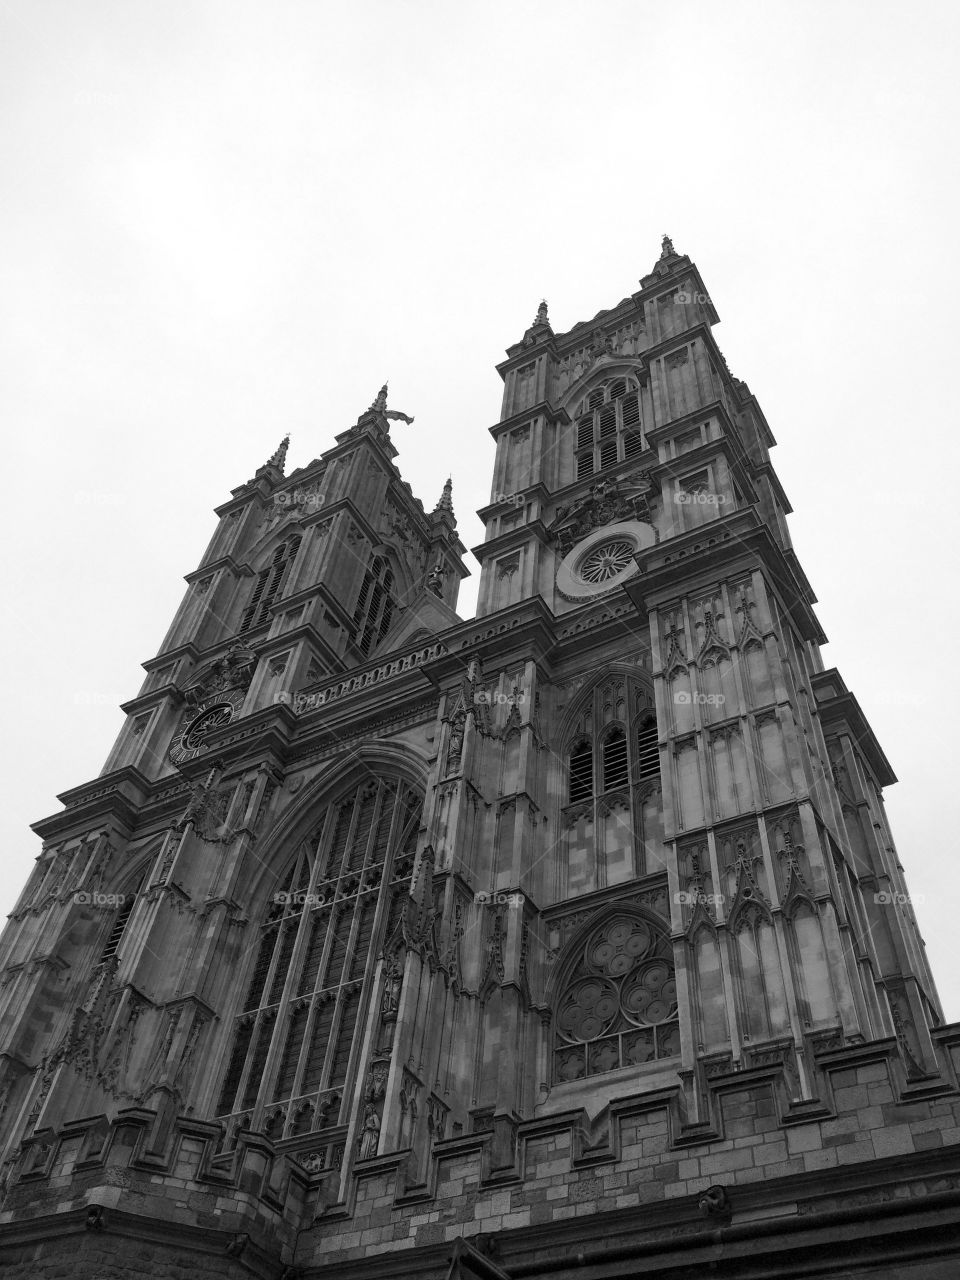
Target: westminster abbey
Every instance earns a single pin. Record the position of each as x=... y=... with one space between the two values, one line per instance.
x=566 y=941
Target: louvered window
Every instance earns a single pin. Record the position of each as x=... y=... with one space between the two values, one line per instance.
x=266 y=589
x=648 y=752
x=122 y=919
x=302 y=1010
x=608 y=428
x=614 y=756
x=612 y=826
x=375 y=605
x=581 y=772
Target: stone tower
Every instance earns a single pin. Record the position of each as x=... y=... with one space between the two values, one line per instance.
x=567 y=940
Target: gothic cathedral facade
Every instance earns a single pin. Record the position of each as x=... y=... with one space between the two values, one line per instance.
x=568 y=940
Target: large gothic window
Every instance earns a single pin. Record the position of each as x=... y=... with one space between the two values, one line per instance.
x=375 y=605
x=618 y=1006
x=612 y=819
x=302 y=1009
x=266 y=589
x=607 y=424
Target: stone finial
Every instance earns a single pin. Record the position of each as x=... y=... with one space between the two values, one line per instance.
x=666 y=248
x=446 y=498
x=380 y=404
x=542 y=317
x=279 y=457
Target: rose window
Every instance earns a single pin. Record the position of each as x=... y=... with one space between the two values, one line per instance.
x=619 y=1005
x=607 y=561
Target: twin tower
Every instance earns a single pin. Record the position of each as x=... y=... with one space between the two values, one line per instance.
x=567 y=940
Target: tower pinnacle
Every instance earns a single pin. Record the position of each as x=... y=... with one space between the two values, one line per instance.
x=379 y=407
x=445 y=502
x=279 y=457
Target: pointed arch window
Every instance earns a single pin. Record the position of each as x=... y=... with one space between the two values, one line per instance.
x=608 y=427
x=618 y=1004
x=266 y=589
x=612 y=820
x=302 y=1010
x=620 y=758
x=375 y=605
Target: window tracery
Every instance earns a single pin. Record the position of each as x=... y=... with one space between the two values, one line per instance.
x=612 y=819
x=375 y=605
x=302 y=1007
x=266 y=589
x=613 y=826
x=618 y=1006
x=607 y=425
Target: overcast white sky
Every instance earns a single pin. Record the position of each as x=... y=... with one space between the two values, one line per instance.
x=226 y=221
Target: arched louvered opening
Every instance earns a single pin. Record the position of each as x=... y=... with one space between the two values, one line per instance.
x=648 y=751
x=612 y=819
x=618 y=1004
x=267 y=588
x=608 y=427
x=375 y=606
x=581 y=771
x=614 y=768
x=294 y=1036
x=111 y=947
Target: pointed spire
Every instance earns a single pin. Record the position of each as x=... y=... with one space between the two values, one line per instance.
x=279 y=457
x=381 y=414
x=443 y=511
x=540 y=329
x=446 y=498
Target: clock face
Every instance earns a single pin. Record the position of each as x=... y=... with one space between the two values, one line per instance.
x=200 y=722
x=198 y=729
x=604 y=560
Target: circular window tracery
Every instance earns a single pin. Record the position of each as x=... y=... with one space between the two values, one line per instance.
x=650 y=996
x=603 y=560
x=589 y=1009
x=616 y=949
x=619 y=1006
x=607 y=561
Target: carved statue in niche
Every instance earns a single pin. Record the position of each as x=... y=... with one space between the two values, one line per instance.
x=391 y=995
x=435 y=578
x=455 y=747
x=370 y=1133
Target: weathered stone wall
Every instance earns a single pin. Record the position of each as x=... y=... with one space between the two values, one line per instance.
x=874 y=1140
